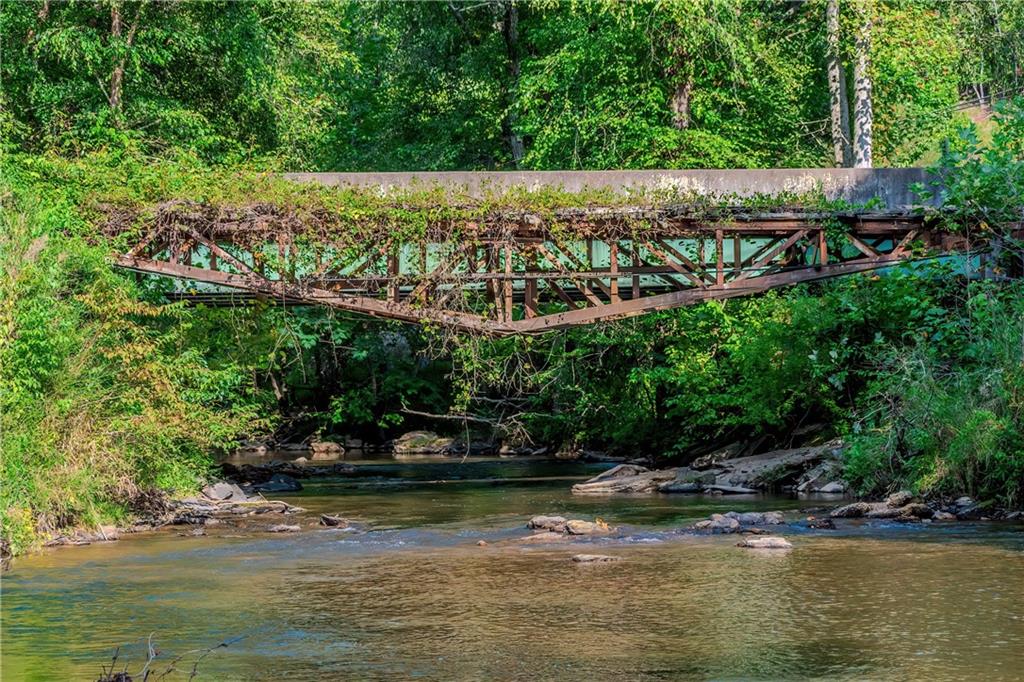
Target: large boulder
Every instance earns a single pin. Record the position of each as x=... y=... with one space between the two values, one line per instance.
x=712 y=459
x=775 y=468
x=421 y=444
x=625 y=478
x=826 y=477
x=688 y=480
x=222 y=490
x=739 y=475
x=549 y=523
x=899 y=499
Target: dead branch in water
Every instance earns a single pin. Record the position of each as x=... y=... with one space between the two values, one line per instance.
x=112 y=674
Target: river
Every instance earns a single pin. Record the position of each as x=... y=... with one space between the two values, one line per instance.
x=415 y=596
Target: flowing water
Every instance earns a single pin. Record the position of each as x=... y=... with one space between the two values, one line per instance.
x=415 y=597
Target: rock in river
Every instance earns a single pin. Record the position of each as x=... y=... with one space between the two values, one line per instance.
x=737 y=475
x=771 y=518
x=278 y=483
x=421 y=443
x=899 y=506
x=333 y=521
x=718 y=523
x=625 y=478
x=222 y=490
x=732 y=522
x=766 y=543
x=326 y=449
x=594 y=558
x=578 y=527
x=555 y=524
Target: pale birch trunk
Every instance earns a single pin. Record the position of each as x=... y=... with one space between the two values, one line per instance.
x=862 y=113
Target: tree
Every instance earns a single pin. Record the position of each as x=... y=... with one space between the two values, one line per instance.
x=839 y=105
x=510 y=33
x=863 y=114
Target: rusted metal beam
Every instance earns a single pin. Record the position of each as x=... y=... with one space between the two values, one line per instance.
x=369 y=306
x=677 y=299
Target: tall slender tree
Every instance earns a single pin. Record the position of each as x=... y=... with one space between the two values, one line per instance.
x=510 y=34
x=840 y=108
x=862 y=110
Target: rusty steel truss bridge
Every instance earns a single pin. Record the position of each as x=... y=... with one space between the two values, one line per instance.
x=514 y=273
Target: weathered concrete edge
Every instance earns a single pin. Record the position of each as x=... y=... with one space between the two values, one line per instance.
x=892 y=186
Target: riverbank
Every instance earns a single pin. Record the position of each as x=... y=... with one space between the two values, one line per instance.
x=244 y=506
x=245 y=501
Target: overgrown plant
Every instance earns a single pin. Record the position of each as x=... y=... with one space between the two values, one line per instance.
x=948 y=418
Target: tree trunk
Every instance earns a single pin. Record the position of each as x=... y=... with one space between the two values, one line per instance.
x=117 y=77
x=862 y=117
x=115 y=95
x=510 y=32
x=681 y=104
x=840 y=109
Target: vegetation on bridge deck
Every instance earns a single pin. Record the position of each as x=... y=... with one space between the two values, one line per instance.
x=107 y=391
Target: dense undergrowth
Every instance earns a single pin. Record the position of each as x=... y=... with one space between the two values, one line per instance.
x=104 y=391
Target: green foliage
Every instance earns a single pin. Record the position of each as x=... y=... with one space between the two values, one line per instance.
x=672 y=381
x=256 y=74
x=413 y=86
x=949 y=418
x=100 y=396
x=981 y=185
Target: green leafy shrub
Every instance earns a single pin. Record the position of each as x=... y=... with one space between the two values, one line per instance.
x=949 y=418
x=100 y=398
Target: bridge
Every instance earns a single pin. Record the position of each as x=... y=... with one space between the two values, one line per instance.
x=512 y=271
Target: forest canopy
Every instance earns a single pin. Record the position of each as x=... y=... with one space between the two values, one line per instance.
x=496 y=84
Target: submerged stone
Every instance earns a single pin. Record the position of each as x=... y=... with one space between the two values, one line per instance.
x=594 y=558
x=284 y=528
x=766 y=543
x=278 y=483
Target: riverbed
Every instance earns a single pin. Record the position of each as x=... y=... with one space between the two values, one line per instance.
x=413 y=595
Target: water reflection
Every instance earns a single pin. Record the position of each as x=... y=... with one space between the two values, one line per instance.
x=417 y=598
